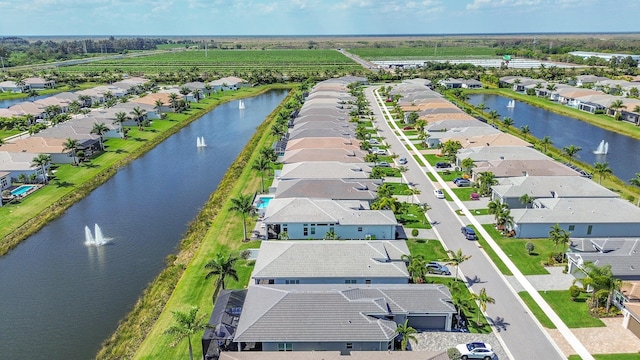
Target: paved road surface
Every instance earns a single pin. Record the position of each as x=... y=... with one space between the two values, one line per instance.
x=520 y=332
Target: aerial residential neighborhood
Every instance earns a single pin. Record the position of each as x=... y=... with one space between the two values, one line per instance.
x=320 y=180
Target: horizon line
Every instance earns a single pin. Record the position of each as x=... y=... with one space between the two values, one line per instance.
x=332 y=35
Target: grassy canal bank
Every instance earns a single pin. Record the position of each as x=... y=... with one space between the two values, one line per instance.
x=182 y=283
x=71 y=183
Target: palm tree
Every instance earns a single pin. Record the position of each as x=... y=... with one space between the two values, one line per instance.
x=504 y=220
x=386 y=203
x=602 y=170
x=121 y=117
x=406 y=333
x=485 y=181
x=546 y=141
x=42 y=160
x=467 y=165
x=457 y=258
x=261 y=164
x=417 y=267
x=571 y=151
x=507 y=121
x=331 y=235
x=138 y=115
x=173 y=99
x=601 y=279
x=616 y=105
x=243 y=205
x=100 y=129
x=493 y=116
x=526 y=199
x=402 y=169
x=551 y=88
x=558 y=236
x=222 y=267
x=525 y=131
x=483 y=299
x=158 y=106
x=32 y=94
x=71 y=144
x=186 y=325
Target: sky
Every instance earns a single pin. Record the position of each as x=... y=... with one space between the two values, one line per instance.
x=314 y=17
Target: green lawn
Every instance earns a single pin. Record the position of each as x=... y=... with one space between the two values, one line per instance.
x=397 y=188
x=489 y=250
x=414 y=218
x=536 y=310
x=431 y=250
x=575 y=314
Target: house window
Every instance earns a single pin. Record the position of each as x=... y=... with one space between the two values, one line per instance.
x=291 y=282
x=589 y=228
x=285 y=347
x=313 y=230
x=332 y=229
x=350 y=281
x=572 y=227
x=367 y=281
x=349 y=345
x=359 y=228
x=305 y=231
x=272 y=281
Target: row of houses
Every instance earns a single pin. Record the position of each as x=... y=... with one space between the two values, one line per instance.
x=340 y=297
x=588 y=93
x=17 y=154
x=603 y=227
x=26 y=84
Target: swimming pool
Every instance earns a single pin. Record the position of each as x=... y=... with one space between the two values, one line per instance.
x=263 y=202
x=20 y=190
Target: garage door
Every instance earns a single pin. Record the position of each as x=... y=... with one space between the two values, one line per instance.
x=428 y=322
x=634 y=326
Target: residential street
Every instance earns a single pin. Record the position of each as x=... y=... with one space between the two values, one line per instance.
x=520 y=332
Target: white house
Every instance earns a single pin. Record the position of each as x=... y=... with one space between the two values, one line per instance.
x=12 y=86
x=305 y=218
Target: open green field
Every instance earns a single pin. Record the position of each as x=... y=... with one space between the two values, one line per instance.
x=419 y=53
x=225 y=60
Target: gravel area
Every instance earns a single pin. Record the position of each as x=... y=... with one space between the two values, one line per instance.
x=440 y=340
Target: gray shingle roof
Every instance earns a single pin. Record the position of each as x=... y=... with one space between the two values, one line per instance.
x=579 y=211
x=331 y=258
x=337 y=189
x=343 y=212
x=332 y=313
x=547 y=186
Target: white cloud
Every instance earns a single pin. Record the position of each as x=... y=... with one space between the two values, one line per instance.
x=487 y=4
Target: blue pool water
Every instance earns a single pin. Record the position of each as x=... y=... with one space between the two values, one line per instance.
x=263 y=202
x=21 y=189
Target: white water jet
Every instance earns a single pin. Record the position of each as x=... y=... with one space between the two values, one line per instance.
x=241 y=105
x=200 y=142
x=603 y=148
x=511 y=104
x=99 y=238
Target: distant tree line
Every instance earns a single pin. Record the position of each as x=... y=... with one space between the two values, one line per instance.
x=43 y=51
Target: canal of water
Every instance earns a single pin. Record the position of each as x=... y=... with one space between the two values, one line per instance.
x=61 y=298
x=564 y=131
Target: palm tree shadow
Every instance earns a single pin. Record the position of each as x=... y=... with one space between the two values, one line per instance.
x=475 y=280
x=91 y=165
x=63 y=184
x=120 y=151
x=499 y=323
x=139 y=139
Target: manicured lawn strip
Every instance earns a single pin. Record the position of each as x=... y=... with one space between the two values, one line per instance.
x=536 y=310
x=575 y=314
x=418 y=160
x=489 y=250
x=517 y=252
x=397 y=188
x=472 y=315
x=450 y=175
x=413 y=218
x=431 y=250
x=215 y=229
x=71 y=184
x=609 y=357
x=463 y=193
x=475 y=212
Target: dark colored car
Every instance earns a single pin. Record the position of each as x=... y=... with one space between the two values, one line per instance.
x=469 y=233
x=443 y=165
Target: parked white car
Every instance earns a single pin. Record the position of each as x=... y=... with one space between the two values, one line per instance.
x=476 y=350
